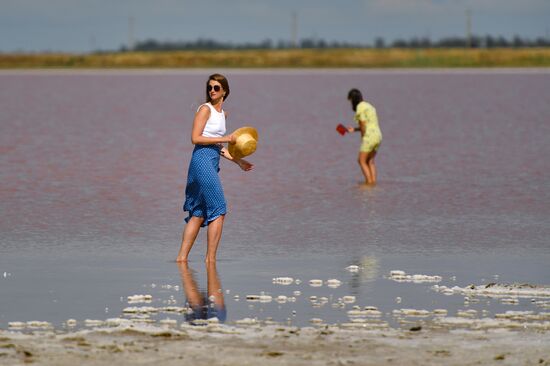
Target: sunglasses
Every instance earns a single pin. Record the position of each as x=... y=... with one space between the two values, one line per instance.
x=216 y=88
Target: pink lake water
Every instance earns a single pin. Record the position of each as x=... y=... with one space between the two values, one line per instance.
x=93 y=170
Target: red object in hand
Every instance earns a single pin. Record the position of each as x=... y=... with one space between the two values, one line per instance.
x=341 y=129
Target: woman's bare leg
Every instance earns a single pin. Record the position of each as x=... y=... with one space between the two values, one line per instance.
x=362 y=160
x=213 y=236
x=188 y=237
x=372 y=166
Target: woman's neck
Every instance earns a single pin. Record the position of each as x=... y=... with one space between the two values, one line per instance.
x=217 y=104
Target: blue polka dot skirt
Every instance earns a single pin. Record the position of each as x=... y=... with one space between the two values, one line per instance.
x=204 y=192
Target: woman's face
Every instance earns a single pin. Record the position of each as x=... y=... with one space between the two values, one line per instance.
x=214 y=89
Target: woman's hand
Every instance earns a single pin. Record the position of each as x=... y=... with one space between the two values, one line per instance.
x=244 y=165
x=232 y=139
x=351 y=129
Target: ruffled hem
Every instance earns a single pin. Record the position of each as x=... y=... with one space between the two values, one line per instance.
x=207 y=219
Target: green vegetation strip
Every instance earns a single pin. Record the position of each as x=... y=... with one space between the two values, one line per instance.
x=293 y=58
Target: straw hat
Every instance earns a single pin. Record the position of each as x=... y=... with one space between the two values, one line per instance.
x=247 y=138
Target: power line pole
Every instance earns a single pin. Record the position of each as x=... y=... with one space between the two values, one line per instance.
x=294 y=29
x=131 y=33
x=468 y=28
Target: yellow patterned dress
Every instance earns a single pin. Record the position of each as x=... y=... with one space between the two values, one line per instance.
x=373 y=136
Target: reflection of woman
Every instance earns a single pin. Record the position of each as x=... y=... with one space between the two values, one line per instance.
x=204 y=198
x=203 y=306
x=367 y=120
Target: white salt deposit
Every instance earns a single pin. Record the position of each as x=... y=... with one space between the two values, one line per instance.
x=316 y=283
x=142 y=309
x=348 y=299
x=401 y=276
x=168 y=321
x=37 y=324
x=364 y=313
x=93 y=323
x=396 y=273
x=259 y=298
x=498 y=290
x=113 y=322
x=467 y=313
x=411 y=312
x=545 y=304
x=510 y=301
x=17 y=325
x=369 y=325
x=488 y=323
x=334 y=283
x=283 y=280
x=281 y=299
x=139 y=298
x=246 y=321
x=174 y=309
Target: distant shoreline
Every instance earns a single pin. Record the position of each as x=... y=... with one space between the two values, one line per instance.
x=387 y=58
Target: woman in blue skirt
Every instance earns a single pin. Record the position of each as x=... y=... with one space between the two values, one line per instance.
x=204 y=198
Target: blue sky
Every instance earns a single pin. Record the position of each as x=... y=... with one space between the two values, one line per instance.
x=85 y=25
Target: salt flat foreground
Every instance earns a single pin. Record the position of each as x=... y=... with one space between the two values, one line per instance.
x=276 y=345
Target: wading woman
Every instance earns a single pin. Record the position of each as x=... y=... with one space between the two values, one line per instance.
x=371 y=136
x=204 y=197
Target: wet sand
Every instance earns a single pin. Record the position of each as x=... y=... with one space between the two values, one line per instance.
x=275 y=345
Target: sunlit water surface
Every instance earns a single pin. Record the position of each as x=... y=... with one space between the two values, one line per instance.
x=93 y=170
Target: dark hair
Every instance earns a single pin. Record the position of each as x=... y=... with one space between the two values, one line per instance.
x=355 y=97
x=220 y=79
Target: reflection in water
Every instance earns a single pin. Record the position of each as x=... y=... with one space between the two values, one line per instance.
x=203 y=305
x=369 y=268
x=368 y=272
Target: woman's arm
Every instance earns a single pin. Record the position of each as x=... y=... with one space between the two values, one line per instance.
x=243 y=164
x=361 y=128
x=198 y=127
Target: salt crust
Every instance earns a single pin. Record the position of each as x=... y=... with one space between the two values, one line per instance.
x=33 y=324
x=283 y=280
x=334 y=283
x=488 y=323
x=497 y=290
x=252 y=328
x=373 y=344
x=316 y=283
x=139 y=298
x=401 y=276
x=364 y=313
x=411 y=312
x=151 y=309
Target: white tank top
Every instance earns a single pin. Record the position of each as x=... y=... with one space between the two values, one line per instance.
x=215 y=125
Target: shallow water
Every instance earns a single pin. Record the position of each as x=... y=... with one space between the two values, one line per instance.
x=93 y=167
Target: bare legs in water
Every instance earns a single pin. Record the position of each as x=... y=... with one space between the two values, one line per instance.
x=190 y=233
x=368 y=167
